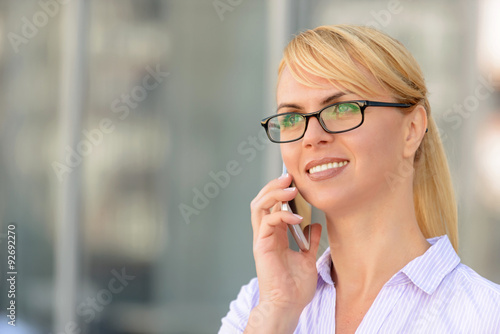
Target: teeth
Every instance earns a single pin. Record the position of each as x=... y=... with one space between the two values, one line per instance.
x=323 y=167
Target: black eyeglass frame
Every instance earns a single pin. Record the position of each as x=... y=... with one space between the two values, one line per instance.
x=363 y=104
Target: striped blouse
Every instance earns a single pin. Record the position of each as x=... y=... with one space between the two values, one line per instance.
x=433 y=293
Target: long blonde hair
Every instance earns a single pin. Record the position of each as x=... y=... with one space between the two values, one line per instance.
x=343 y=54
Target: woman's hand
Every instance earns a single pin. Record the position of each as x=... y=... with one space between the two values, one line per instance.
x=287 y=279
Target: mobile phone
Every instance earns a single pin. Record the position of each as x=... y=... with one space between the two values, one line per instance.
x=299 y=206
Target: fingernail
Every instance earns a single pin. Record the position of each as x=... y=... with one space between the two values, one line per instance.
x=300 y=217
x=283 y=176
x=290 y=189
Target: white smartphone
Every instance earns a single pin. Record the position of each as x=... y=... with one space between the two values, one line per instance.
x=299 y=206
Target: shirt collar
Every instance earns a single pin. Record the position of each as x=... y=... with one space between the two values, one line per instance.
x=324 y=265
x=426 y=271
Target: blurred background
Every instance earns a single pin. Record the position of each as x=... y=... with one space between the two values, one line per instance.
x=130 y=146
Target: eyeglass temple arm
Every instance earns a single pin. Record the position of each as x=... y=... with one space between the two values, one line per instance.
x=386 y=104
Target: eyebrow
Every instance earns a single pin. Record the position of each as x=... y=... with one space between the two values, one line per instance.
x=325 y=101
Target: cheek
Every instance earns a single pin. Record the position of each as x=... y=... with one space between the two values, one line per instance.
x=290 y=155
x=377 y=149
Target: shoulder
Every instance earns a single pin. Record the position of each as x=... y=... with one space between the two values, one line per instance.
x=466 y=279
x=472 y=299
x=236 y=319
x=447 y=296
x=440 y=269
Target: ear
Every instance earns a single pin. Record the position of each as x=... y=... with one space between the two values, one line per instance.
x=415 y=128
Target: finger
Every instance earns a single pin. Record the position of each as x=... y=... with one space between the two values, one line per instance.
x=262 y=207
x=258 y=218
x=282 y=182
x=276 y=207
x=277 y=220
x=281 y=217
x=269 y=199
x=275 y=225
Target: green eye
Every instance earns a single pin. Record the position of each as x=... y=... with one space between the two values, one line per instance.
x=345 y=108
x=290 y=120
x=341 y=111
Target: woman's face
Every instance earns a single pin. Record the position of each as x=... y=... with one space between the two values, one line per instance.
x=367 y=155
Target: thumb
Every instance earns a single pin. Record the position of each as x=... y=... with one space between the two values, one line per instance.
x=315 y=230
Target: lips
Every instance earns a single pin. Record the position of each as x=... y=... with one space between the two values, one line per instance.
x=330 y=165
x=325 y=168
x=325 y=163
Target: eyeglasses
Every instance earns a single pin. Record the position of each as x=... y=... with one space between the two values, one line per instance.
x=335 y=118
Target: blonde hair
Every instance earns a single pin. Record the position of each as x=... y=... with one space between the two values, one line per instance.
x=344 y=54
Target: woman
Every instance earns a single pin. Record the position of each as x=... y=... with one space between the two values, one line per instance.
x=378 y=171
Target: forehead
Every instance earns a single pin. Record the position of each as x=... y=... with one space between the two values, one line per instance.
x=290 y=90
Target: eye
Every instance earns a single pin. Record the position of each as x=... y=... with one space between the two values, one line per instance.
x=290 y=120
x=347 y=108
x=341 y=111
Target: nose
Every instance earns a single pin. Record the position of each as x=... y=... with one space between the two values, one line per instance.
x=315 y=134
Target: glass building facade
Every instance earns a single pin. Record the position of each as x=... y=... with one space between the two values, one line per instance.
x=131 y=147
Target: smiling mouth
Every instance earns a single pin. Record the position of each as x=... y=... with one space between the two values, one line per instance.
x=330 y=165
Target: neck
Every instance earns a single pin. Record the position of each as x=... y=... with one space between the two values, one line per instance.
x=369 y=246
